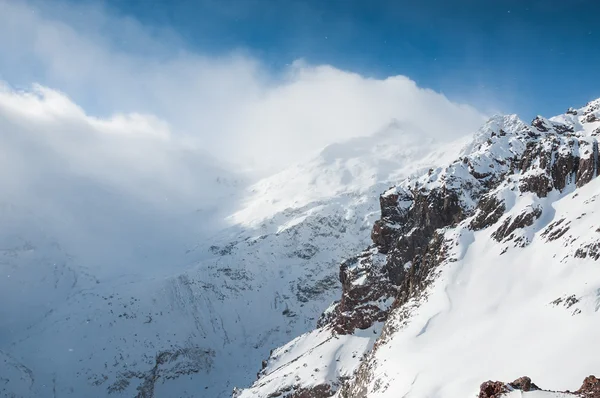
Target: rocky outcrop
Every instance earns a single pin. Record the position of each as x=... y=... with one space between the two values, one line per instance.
x=489 y=210
x=525 y=219
x=320 y=391
x=497 y=389
x=543 y=157
x=365 y=292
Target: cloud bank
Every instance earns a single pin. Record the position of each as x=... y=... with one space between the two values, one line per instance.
x=118 y=135
x=229 y=105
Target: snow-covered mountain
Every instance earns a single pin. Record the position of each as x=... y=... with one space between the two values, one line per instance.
x=483 y=267
x=146 y=303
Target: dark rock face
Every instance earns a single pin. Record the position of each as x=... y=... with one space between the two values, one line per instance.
x=555 y=230
x=490 y=209
x=412 y=216
x=492 y=389
x=525 y=219
x=320 y=391
x=362 y=304
x=524 y=384
x=590 y=118
x=406 y=233
x=588 y=167
x=553 y=163
x=538 y=184
x=571 y=111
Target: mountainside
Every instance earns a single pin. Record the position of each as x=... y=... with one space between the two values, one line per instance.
x=134 y=306
x=484 y=267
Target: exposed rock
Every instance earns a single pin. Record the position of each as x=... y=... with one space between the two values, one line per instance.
x=591 y=250
x=320 y=391
x=562 y=128
x=590 y=118
x=590 y=388
x=538 y=184
x=588 y=167
x=492 y=389
x=489 y=210
x=525 y=219
x=422 y=220
x=541 y=124
x=571 y=111
x=392 y=215
x=496 y=389
x=524 y=384
x=365 y=288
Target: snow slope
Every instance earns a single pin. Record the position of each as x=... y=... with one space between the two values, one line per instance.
x=143 y=302
x=487 y=309
x=493 y=258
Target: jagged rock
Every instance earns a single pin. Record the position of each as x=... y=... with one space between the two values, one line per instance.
x=524 y=384
x=538 y=184
x=392 y=215
x=525 y=219
x=571 y=111
x=496 y=389
x=426 y=219
x=490 y=210
x=588 y=167
x=541 y=124
x=590 y=118
x=364 y=288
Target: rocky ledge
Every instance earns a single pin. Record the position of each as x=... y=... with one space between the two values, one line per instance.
x=497 y=389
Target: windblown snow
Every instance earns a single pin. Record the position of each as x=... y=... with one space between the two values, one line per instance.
x=129 y=308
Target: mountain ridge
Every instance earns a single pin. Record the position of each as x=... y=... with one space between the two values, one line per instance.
x=509 y=178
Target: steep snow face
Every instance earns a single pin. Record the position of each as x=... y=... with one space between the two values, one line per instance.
x=494 y=253
x=134 y=306
x=540 y=302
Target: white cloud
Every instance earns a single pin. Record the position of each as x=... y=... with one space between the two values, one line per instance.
x=120 y=133
x=228 y=105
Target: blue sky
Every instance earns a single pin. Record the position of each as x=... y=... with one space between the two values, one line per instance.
x=523 y=56
x=223 y=76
